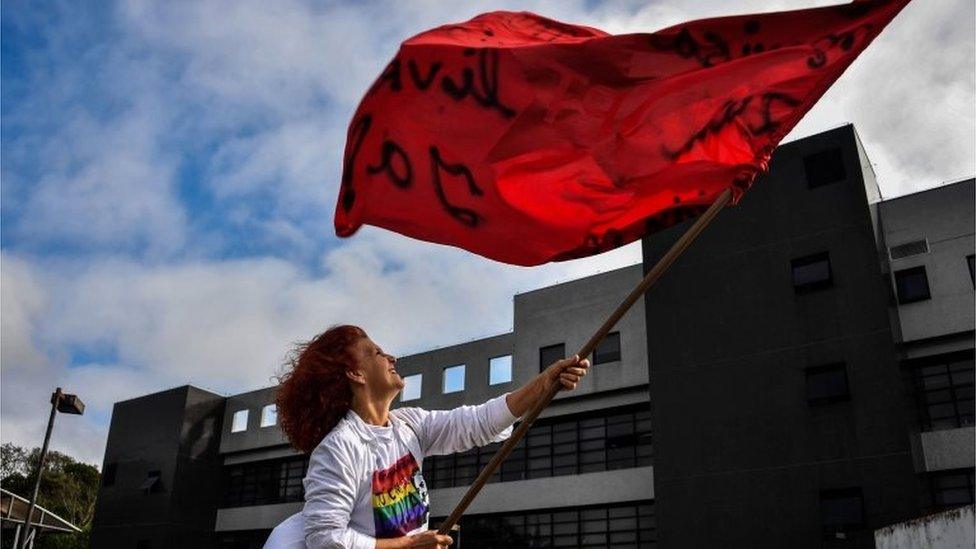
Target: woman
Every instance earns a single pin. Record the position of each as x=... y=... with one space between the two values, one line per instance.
x=364 y=487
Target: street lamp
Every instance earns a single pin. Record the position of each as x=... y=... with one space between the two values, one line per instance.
x=66 y=404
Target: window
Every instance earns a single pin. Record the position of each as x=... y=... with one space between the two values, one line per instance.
x=454 y=379
x=550 y=354
x=944 y=390
x=239 y=423
x=630 y=524
x=972 y=272
x=269 y=415
x=264 y=482
x=599 y=441
x=841 y=512
x=411 y=387
x=826 y=384
x=108 y=475
x=608 y=350
x=151 y=484
x=950 y=488
x=912 y=285
x=824 y=168
x=811 y=273
x=500 y=370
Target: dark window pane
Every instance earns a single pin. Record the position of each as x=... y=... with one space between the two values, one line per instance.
x=550 y=354
x=841 y=511
x=608 y=350
x=826 y=384
x=972 y=272
x=811 y=272
x=824 y=167
x=912 y=285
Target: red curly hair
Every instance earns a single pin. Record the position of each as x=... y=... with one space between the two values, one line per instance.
x=314 y=393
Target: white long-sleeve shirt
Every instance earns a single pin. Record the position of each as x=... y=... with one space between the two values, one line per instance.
x=364 y=482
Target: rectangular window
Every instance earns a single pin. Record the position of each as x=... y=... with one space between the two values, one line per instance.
x=824 y=168
x=108 y=475
x=411 y=387
x=550 y=354
x=629 y=524
x=151 y=484
x=841 y=512
x=264 y=482
x=239 y=423
x=608 y=350
x=826 y=384
x=912 y=285
x=609 y=439
x=972 y=270
x=269 y=415
x=951 y=488
x=811 y=273
x=500 y=370
x=454 y=379
x=944 y=390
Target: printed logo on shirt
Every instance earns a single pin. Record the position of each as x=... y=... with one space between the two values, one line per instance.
x=399 y=498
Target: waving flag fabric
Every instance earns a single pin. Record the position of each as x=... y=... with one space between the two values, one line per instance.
x=527 y=140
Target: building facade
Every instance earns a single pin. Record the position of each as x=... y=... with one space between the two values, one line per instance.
x=810 y=360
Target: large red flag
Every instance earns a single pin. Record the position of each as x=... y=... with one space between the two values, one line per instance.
x=527 y=140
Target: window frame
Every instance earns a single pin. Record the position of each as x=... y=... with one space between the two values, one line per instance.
x=264 y=415
x=543 y=363
x=831 y=530
x=611 y=356
x=944 y=374
x=243 y=413
x=827 y=399
x=444 y=373
x=825 y=154
x=420 y=387
x=807 y=260
x=901 y=274
x=511 y=368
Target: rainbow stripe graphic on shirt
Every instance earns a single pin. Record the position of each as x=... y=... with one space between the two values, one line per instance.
x=399 y=498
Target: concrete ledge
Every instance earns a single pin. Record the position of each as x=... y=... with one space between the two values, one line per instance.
x=256 y=517
x=952 y=529
x=949 y=449
x=542 y=493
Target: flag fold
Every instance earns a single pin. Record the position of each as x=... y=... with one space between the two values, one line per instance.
x=527 y=140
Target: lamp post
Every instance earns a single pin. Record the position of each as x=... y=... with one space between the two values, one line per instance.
x=66 y=404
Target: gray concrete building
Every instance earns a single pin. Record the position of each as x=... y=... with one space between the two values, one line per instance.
x=807 y=367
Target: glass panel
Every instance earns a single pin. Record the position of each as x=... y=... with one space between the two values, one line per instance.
x=550 y=354
x=824 y=167
x=269 y=415
x=811 y=273
x=912 y=284
x=608 y=350
x=411 y=387
x=500 y=370
x=239 y=422
x=454 y=378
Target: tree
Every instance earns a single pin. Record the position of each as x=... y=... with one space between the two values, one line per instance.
x=68 y=489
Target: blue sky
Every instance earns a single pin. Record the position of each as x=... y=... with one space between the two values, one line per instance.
x=169 y=172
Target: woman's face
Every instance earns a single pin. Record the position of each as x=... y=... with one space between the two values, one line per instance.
x=377 y=368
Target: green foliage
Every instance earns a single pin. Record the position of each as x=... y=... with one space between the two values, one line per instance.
x=68 y=489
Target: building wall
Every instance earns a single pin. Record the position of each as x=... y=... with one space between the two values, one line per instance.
x=737 y=447
x=944 y=218
x=174 y=432
x=570 y=313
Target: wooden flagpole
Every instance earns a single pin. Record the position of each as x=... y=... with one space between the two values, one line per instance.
x=649 y=279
